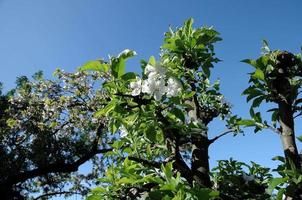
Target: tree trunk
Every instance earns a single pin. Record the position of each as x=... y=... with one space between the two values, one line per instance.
x=285 y=105
x=200 y=155
x=200 y=161
x=286 y=121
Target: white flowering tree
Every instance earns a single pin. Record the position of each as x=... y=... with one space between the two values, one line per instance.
x=47 y=131
x=161 y=117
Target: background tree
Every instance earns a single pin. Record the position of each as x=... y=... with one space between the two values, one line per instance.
x=47 y=132
x=277 y=79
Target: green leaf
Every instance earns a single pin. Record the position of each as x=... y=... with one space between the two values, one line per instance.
x=258 y=74
x=152 y=61
x=257 y=117
x=178 y=113
x=280 y=158
x=280 y=194
x=150 y=134
x=118 y=144
x=168 y=186
x=252 y=112
x=206 y=70
x=130 y=119
x=188 y=26
x=252 y=93
x=118 y=67
x=170 y=44
x=118 y=64
x=160 y=136
x=274 y=182
x=300 y=138
x=96 y=65
x=204 y=193
x=264 y=60
x=129 y=76
x=167 y=169
x=257 y=101
x=125 y=180
x=275 y=116
x=250 y=62
x=104 y=111
x=93 y=197
x=246 y=122
x=96 y=193
x=157 y=194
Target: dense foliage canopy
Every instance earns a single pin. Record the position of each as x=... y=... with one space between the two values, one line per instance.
x=48 y=131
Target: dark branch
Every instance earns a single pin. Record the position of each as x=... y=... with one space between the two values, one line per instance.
x=172 y=143
x=145 y=162
x=55 y=193
x=54 y=168
x=299 y=114
x=219 y=136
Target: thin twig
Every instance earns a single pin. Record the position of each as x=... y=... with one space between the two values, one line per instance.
x=273 y=129
x=55 y=193
x=220 y=135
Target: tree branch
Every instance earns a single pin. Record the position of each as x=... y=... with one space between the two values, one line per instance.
x=53 y=168
x=219 y=136
x=273 y=129
x=55 y=193
x=145 y=162
x=172 y=143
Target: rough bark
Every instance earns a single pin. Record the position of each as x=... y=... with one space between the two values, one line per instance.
x=286 y=121
x=200 y=161
x=200 y=166
x=285 y=111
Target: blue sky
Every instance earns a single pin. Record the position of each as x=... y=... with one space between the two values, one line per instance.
x=43 y=35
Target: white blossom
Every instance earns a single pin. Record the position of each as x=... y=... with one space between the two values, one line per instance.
x=147 y=87
x=160 y=89
x=155 y=84
x=155 y=72
x=155 y=87
x=123 y=131
x=136 y=87
x=127 y=51
x=94 y=120
x=173 y=88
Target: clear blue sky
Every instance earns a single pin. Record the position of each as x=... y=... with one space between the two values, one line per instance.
x=43 y=35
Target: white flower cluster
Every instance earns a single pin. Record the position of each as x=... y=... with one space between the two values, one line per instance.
x=155 y=84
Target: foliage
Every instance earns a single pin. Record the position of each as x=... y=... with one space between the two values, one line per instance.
x=234 y=182
x=277 y=79
x=152 y=128
x=47 y=131
x=289 y=183
x=265 y=84
x=161 y=118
